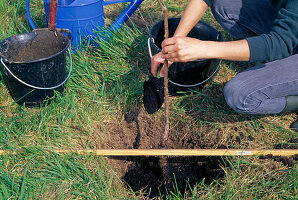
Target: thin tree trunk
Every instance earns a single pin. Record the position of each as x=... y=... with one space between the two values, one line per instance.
x=164 y=136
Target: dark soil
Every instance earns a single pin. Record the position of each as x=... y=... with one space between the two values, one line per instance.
x=33 y=46
x=292 y=144
x=293 y=140
x=287 y=161
x=158 y=175
x=155 y=177
x=286 y=146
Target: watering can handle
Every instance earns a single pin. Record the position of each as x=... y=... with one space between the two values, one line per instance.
x=52 y=14
x=40 y=88
x=29 y=15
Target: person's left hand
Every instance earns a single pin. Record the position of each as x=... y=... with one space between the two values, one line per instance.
x=182 y=49
x=156 y=60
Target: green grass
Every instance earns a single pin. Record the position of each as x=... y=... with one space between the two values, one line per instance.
x=36 y=174
x=106 y=82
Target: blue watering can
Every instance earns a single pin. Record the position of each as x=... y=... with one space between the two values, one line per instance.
x=85 y=18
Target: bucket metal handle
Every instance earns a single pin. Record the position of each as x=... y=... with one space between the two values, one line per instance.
x=149 y=47
x=35 y=87
x=197 y=84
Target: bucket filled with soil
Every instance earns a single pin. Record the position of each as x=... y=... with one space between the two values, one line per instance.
x=33 y=65
x=185 y=75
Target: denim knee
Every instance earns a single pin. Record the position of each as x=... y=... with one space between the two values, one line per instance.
x=240 y=98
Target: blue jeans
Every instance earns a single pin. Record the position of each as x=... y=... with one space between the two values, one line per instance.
x=261 y=89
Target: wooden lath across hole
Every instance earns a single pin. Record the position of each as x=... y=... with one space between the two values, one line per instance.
x=171 y=152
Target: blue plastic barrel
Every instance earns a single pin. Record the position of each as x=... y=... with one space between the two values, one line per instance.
x=85 y=18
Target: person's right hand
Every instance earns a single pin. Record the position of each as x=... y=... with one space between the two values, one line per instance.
x=156 y=60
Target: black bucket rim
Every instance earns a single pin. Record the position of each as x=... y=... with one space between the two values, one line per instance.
x=37 y=60
x=219 y=36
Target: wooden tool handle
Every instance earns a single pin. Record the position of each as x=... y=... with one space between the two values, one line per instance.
x=52 y=14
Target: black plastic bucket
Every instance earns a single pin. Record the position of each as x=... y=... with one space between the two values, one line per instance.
x=33 y=65
x=189 y=74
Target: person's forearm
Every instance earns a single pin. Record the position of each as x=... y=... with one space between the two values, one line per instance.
x=231 y=50
x=192 y=14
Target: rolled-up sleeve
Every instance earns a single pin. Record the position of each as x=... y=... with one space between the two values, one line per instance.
x=281 y=40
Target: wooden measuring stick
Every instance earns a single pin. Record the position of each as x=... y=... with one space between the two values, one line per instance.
x=171 y=152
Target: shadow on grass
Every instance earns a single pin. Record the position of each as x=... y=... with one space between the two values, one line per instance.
x=208 y=104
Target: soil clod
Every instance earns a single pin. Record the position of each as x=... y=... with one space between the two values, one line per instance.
x=285 y=146
x=285 y=160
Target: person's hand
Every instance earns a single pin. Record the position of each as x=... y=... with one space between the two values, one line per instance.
x=182 y=49
x=156 y=60
x=177 y=49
